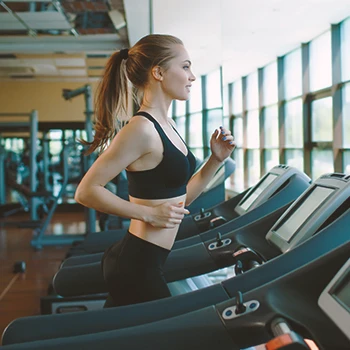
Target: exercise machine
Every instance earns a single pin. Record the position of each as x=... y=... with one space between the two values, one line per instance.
x=310 y=301
x=246 y=248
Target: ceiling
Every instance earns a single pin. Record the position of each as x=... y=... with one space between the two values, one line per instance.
x=71 y=40
x=67 y=40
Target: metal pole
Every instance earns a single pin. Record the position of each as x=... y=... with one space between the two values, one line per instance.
x=90 y=213
x=88 y=120
x=33 y=168
x=45 y=147
x=2 y=175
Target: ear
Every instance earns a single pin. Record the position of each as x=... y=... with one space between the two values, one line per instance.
x=157 y=73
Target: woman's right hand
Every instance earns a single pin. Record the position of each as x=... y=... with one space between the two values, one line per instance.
x=167 y=215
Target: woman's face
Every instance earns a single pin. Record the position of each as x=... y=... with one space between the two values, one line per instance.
x=177 y=79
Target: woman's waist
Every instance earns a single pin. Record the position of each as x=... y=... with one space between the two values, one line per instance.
x=156 y=202
x=162 y=237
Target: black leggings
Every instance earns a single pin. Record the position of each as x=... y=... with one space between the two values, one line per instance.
x=132 y=269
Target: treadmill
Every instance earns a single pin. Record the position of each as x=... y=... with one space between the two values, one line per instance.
x=273 y=194
x=327 y=227
x=309 y=302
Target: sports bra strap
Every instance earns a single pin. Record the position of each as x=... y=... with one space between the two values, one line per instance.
x=157 y=126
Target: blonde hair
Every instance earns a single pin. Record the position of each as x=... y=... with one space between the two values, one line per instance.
x=112 y=98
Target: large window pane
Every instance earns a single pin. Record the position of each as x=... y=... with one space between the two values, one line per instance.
x=226 y=123
x=270 y=84
x=198 y=152
x=69 y=135
x=294 y=123
x=225 y=102
x=195 y=130
x=252 y=91
x=321 y=163
x=321 y=62
x=271 y=159
x=181 y=126
x=15 y=145
x=238 y=131
x=295 y=158
x=345 y=49
x=195 y=100
x=180 y=108
x=253 y=158
x=346 y=115
x=271 y=126
x=55 y=145
x=346 y=161
x=322 y=121
x=253 y=129
x=213 y=89
x=214 y=121
x=237 y=107
x=292 y=74
x=237 y=178
x=80 y=134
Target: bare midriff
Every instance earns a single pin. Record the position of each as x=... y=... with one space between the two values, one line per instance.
x=163 y=237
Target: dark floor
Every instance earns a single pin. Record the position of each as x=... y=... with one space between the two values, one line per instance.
x=20 y=293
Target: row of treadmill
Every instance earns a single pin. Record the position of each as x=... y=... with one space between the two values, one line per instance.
x=288 y=241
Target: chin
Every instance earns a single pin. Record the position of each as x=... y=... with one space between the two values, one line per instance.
x=184 y=98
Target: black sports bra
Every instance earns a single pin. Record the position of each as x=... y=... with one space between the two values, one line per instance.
x=170 y=177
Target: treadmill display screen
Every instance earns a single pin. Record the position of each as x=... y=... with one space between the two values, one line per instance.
x=342 y=292
x=289 y=227
x=247 y=202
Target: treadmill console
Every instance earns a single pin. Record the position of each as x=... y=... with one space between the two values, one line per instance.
x=335 y=299
x=225 y=169
x=267 y=187
x=328 y=195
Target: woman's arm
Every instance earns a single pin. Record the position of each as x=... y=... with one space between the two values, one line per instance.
x=221 y=145
x=131 y=143
x=124 y=150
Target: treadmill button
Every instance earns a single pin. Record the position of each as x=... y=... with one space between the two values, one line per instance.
x=231 y=312
x=252 y=305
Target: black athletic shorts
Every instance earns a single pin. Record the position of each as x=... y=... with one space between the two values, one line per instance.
x=132 y=269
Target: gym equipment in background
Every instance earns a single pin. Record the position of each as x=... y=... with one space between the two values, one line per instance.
x=30 y=124
x=90 y=214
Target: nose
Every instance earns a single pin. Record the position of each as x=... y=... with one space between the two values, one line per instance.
x=192 y=77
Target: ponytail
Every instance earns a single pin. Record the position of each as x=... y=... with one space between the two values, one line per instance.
x=111 y=102
x=133 y=65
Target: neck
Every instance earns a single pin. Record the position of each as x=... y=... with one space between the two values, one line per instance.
x=156 y=104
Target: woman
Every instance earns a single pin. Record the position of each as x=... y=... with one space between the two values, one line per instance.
x=159 y=165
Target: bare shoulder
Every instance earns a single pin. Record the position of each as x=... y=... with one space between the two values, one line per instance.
x=137 y=129
x=140 y=122
x=137 y=136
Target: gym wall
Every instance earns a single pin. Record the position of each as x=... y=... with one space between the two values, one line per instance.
x=46 y=97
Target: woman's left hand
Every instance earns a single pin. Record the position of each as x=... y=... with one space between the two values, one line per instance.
x=222 y=144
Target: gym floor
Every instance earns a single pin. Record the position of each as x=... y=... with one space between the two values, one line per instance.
x=20 y=292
